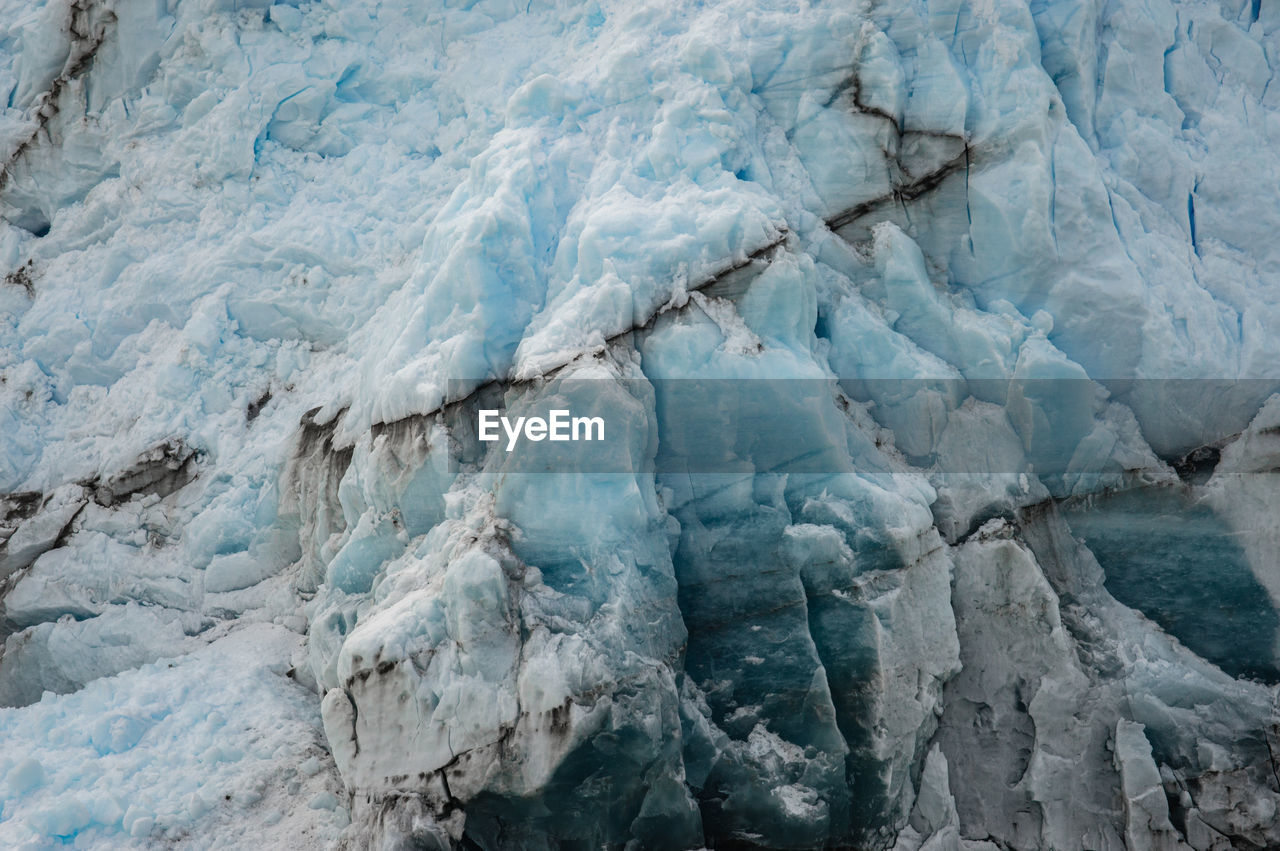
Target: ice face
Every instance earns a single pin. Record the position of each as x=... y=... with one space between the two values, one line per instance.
x=882 y=307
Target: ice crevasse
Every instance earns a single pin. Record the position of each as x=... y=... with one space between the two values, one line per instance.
x=937 y=342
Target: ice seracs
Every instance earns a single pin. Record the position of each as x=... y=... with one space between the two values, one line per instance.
x=981 y=264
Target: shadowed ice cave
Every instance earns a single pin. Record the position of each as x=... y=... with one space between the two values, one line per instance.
x=1173 y=559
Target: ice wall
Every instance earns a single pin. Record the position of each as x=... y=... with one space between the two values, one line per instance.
x=263 y=262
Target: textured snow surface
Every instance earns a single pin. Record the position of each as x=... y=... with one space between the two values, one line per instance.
x=260 y=585
x=213 y=748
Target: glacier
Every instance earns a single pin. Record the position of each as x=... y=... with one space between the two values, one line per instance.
x=936 y=342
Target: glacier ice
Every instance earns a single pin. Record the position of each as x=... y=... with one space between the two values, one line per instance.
x=937 y=343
